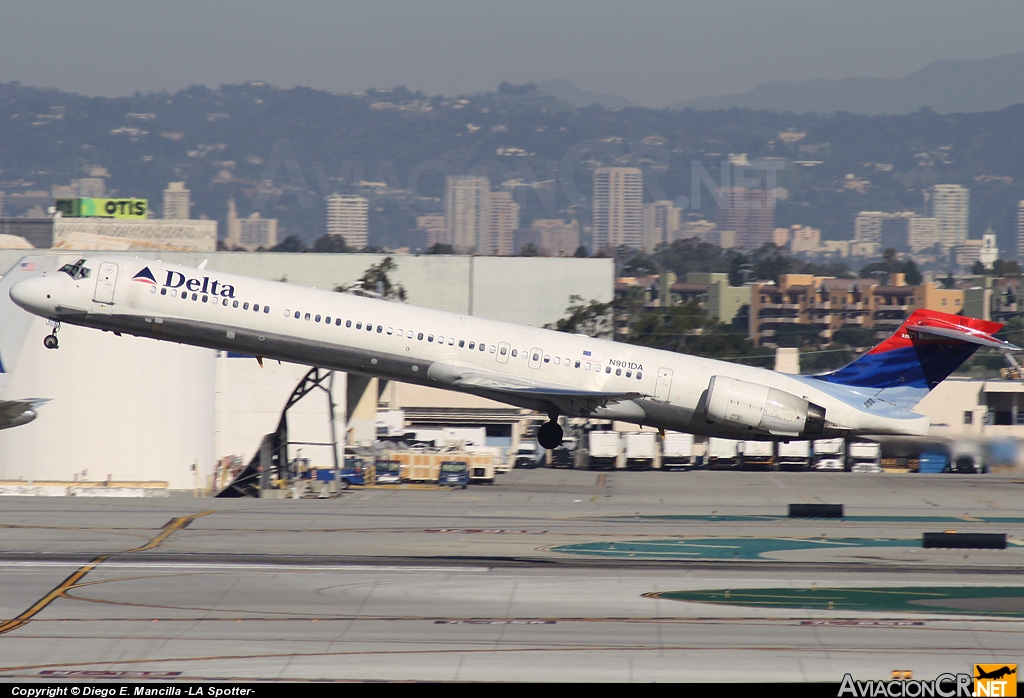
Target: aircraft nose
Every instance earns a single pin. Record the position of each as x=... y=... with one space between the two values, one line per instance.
x=34 y=295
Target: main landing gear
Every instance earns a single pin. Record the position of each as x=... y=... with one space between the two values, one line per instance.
x=50 y=340
x=550 y=434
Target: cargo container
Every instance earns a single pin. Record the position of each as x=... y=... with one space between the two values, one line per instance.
x=829 y=454
x=864 y=456
x=677 y=451
x=640 y=449
x=604 y=450
x=722 y=453
x=757 y=455
x=794 y=455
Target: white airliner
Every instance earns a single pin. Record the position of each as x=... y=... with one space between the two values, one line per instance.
x=551 y=372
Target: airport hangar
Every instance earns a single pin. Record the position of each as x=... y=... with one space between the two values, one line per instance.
x=129 y=409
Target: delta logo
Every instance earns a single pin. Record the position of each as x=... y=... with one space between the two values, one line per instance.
x=145 y=276
x=175 y=279
x=995 y=680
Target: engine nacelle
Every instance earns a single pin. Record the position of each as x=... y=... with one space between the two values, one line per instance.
x=767 y=410
x=23 y=418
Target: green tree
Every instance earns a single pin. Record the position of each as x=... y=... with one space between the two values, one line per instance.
x=292 y=243
x=592 y=318
x=441 y=248
x=330 y=243
x=529 y=250
x=376 y=280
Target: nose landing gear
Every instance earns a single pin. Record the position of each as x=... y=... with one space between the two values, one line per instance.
x=50 y=340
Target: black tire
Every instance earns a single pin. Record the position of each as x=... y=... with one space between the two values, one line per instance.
x=549 y=435
x=50 y=341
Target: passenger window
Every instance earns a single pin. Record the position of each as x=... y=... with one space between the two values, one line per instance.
x=440 y=339
x=451 y=341
x=401 y=333
x=472 y=345
x=224 y=302
x=536 y=357
x=391 y=331
x=287 y=313
x=547 y=359
x=195 y=296
x=348 y=323
x=316 y=318
x=256 y=307
x=206 y=299
x=163 y=292
x=577 y=364
x=618 y=372
x=607 y=369
x=430 y=338
x=369 y=327
x=420 y=336
x=483 y=347
x=337 y=322
x=587 y=367
x=462 y=343
x=504 y=351
x=514 y=353
x=557 y=361
x=234 y=304
x=245 y=306
x=327 y=319
x=639 y=375
x=629 y=374
x=266 y=309
x=359 y=325
x=380 y=329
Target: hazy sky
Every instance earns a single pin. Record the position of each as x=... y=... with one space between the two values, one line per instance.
x=654 y=52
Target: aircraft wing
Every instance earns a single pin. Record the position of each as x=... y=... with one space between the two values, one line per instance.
x=12 y=411
x=568 y=400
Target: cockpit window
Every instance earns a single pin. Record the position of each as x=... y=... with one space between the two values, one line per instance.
x=77 y=270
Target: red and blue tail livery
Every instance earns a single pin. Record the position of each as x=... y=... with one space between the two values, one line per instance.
x=922 y=353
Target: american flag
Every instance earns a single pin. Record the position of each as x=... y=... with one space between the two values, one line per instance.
x=27 y=266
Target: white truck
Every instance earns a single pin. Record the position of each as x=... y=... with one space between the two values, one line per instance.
x=865 y=457
x=757 y=455
x=604 y=447
x=794 y=455
x=529 y=455
x=722 y=453
x=677 y=451
x=641 y=447
x=829 y=454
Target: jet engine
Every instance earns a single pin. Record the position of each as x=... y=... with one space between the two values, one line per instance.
x=767 y=410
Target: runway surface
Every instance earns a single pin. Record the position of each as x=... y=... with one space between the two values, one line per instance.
x=544 y=576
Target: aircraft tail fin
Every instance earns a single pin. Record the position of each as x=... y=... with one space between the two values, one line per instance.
x=926 y=348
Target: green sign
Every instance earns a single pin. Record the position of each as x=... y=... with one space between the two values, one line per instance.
x=103 y=208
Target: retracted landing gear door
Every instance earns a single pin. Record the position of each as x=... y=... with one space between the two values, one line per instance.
x=105 y=281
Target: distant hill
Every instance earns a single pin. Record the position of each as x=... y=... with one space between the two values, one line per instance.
x=570 y=94
x=944 y=86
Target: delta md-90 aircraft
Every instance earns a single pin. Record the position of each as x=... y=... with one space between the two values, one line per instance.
x=551 y=372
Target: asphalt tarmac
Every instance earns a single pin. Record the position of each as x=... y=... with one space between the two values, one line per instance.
x=544 y=576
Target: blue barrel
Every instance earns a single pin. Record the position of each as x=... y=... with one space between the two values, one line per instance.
x=933 y=463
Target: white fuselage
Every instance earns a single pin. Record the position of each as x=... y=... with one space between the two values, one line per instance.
x=402 y=342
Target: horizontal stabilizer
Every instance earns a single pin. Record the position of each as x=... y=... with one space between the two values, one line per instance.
x=940 y=328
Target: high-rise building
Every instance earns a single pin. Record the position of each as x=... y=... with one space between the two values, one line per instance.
x=434 y=230
x=661 y=224
x=905 y=231
x=176 y=201
x=618 y=208
x=950 y=205
x=250 y=233
x=557 y=237
x=1020 y=230
x=503 y=221
x=466 y=211
x=750 y=213
x=348 y=216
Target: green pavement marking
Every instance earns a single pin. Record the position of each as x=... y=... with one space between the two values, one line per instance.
x=987 y=601
x=724 y=548
x=859 y=519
